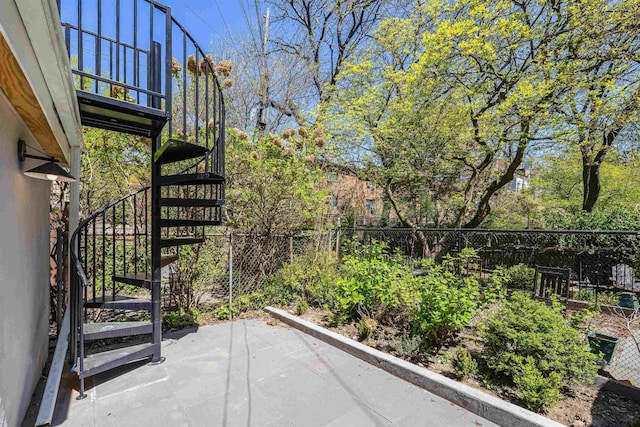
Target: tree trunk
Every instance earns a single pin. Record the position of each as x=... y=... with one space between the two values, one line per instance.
x=426 y=251
x=591 y=170
x=484 y=207
x=590 y=184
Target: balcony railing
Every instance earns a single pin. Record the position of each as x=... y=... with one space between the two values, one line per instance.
x=136 y=55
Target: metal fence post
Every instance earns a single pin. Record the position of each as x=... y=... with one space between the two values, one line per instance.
x=59 y=277
x=230 y=275
x=291 y=249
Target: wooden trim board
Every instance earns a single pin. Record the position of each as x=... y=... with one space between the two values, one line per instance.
x=16 y=86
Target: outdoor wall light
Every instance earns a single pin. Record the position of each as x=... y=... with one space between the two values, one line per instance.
x=50 y=171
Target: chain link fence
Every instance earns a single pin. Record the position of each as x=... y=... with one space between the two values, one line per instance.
x=231 y=264
x=584 y=267
x=600 y=267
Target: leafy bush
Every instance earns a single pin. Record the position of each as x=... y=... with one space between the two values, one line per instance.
x=537 y=390
x=240 y=305
x=463 y=364
x=334 y=319
x=372 y=282
x=446 y=304
x=495 y=286
x=310 y=276
x=321 y=274
x=409 y=346
x=581 y=319
x=302 y=307
x=608 y=298
x=366 y=327
x=608 y=218
x=180 y=319
x=466 y=262
x=223 y=312
x=520 y=277
x=532 y=345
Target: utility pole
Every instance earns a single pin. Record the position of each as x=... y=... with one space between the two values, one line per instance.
x=264 y=82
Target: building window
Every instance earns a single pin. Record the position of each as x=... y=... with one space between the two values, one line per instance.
x=371 y=185
x=332 y=177
x=333 y=202
x=517 y=184
x=371 y=205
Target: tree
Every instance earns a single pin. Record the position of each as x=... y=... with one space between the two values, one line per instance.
x=446 y=123
x=605 y=93
x=454 y=121
x=557 y=187
x=113 y=165
x=289 y=92
x=272 y=185
x=323 y=34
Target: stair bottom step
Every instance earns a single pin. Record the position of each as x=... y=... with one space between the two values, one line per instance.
x=120 y=302
x=97 y=331
x=106 y=360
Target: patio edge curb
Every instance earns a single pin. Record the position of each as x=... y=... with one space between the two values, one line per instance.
x=489 y=407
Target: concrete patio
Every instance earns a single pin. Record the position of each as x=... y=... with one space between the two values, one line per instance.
x=249 y=373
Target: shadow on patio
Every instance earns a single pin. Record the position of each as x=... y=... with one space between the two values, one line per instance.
x=248 y=373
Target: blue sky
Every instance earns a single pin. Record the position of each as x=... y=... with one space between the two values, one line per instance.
x=206 y=20
x=209 y=20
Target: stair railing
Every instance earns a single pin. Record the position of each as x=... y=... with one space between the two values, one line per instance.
x=149 y=59
x=96 y=241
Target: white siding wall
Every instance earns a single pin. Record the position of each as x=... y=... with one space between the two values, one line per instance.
x=24 y=271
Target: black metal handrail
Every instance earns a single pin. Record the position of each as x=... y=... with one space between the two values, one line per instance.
x=79 y=280
x=82 y=225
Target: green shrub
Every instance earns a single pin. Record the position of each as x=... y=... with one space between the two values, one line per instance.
x=322 y=274
x=532 y=345
x=583 y=317
x=537 y=390
x=520 y=276
x=463 y=364
x=302 y=307
x=372 y=282
x=239 y=305
x=607 y=298
x=311 y=276
x=242 y=303
x=446 y=304
x=180 y=319
x=409 y=346
x=334 y=319
x=466 y=262
x=222 y=312
x=495 y=286
x=366 y=327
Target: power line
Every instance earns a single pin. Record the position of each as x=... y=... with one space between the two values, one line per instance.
x=223 y=20
x=248 y=22
x=230 y=39
x=197 y=15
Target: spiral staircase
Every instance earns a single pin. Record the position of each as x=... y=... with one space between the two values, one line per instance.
x=139 y=72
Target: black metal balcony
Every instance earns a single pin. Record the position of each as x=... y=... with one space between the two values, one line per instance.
x=139 y=71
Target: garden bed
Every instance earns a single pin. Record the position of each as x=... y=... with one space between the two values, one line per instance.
x=456 y=319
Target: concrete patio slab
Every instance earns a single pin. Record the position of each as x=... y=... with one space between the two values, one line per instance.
x=249 y=373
